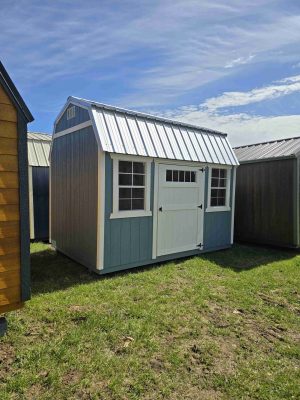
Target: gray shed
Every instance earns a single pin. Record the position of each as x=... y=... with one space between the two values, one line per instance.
x=267 y=193
x=130 y=189
x=38 y=174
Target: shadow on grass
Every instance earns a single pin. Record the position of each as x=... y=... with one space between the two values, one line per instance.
x=52 y=271
x=243 y=257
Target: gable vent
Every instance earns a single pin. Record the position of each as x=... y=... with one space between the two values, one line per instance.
x=71 y=112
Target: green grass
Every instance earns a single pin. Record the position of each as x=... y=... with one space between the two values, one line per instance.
x=221 y=326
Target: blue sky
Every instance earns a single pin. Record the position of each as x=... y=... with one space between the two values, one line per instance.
x=229 y=65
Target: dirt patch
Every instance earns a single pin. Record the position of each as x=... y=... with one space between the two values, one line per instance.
x=34 y=392
x=7 y=357
x=71 y=377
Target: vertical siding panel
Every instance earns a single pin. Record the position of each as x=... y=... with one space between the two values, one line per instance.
x=125 y=241
x=115 y=243
x=135 y=239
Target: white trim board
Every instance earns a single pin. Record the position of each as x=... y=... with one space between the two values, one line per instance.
x=233 y=203
x=72 y=129
x=100 y=210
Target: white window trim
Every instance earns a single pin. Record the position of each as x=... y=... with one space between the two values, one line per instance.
x=130 y=213
x=227 y=207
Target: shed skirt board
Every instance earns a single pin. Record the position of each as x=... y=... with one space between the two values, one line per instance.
x=179 y=210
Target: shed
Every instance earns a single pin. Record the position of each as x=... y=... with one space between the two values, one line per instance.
x=38 y=176
x=267 y=193
x=130 y=189
x=14 y=218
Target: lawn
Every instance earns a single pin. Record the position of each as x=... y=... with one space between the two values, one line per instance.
x=221 y=326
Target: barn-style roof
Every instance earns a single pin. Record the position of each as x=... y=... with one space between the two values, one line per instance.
x=38 y=149
x=129 y=132
x=283 y=148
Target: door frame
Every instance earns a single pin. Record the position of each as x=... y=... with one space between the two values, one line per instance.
x=155 y=197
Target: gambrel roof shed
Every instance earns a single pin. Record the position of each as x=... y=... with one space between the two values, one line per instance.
x=129 y=188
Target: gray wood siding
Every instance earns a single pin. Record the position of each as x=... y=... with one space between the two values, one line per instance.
x=81 y=115
x=265 y=195
x=74 y=195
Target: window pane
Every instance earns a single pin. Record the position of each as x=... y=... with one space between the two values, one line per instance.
x=214 y=182
x=125 y=193
x=175 y=176
x=221 y=193
x=188 y=176
x=222 y=183
x=193 y=176
x=215 y=172
x=221 y=201
x=138 y=204
x=138 y=180
x=138 y=168
x=222 y=173
x=213 y=201
x=138 y=193
x=214 y=193
x=125 y=179
x=181 y=176
x=125 y=166
x=124 y=204
x=169 y=175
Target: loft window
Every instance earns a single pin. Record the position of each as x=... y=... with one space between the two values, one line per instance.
x=131 y=185
x=71 y=112
x=175 y=175
x=219 y=189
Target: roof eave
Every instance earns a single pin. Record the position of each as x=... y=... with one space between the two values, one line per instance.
x=11 y=88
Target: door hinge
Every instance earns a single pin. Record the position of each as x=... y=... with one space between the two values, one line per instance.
x=202 y=169
x=160 y=209
x=200 y=206
x=200 y=245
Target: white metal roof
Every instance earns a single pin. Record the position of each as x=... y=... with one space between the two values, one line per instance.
x=38 y=149
x=289 y=147
x=128 y=132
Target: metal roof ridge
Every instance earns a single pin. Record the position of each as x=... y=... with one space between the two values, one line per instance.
x=267 y=142
x=147 y=116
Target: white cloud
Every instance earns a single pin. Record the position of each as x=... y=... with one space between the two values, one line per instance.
x=239 y=61
x=244 y=128
x=232 y=99
x=187 y=43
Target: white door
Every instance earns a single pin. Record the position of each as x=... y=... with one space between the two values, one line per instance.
x=180 y=208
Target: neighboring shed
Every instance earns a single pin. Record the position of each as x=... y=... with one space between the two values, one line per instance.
x=130 y=189
x=38 y=172
x=14 y=218
x=267 y=193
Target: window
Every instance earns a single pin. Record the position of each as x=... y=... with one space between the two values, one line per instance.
x=219 y=189
x=175 y=175
x=71 y=112
x=131 y=186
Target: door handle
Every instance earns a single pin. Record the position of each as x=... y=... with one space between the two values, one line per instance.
x=160 y=209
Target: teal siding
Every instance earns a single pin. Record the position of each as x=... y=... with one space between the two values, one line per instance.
x=127 y=240
x=81 y=115
x=217 y=225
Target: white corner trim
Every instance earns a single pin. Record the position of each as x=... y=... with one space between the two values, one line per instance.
x=100 y=210
x=233 y=203
x=72 y=129
x=130 y=214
